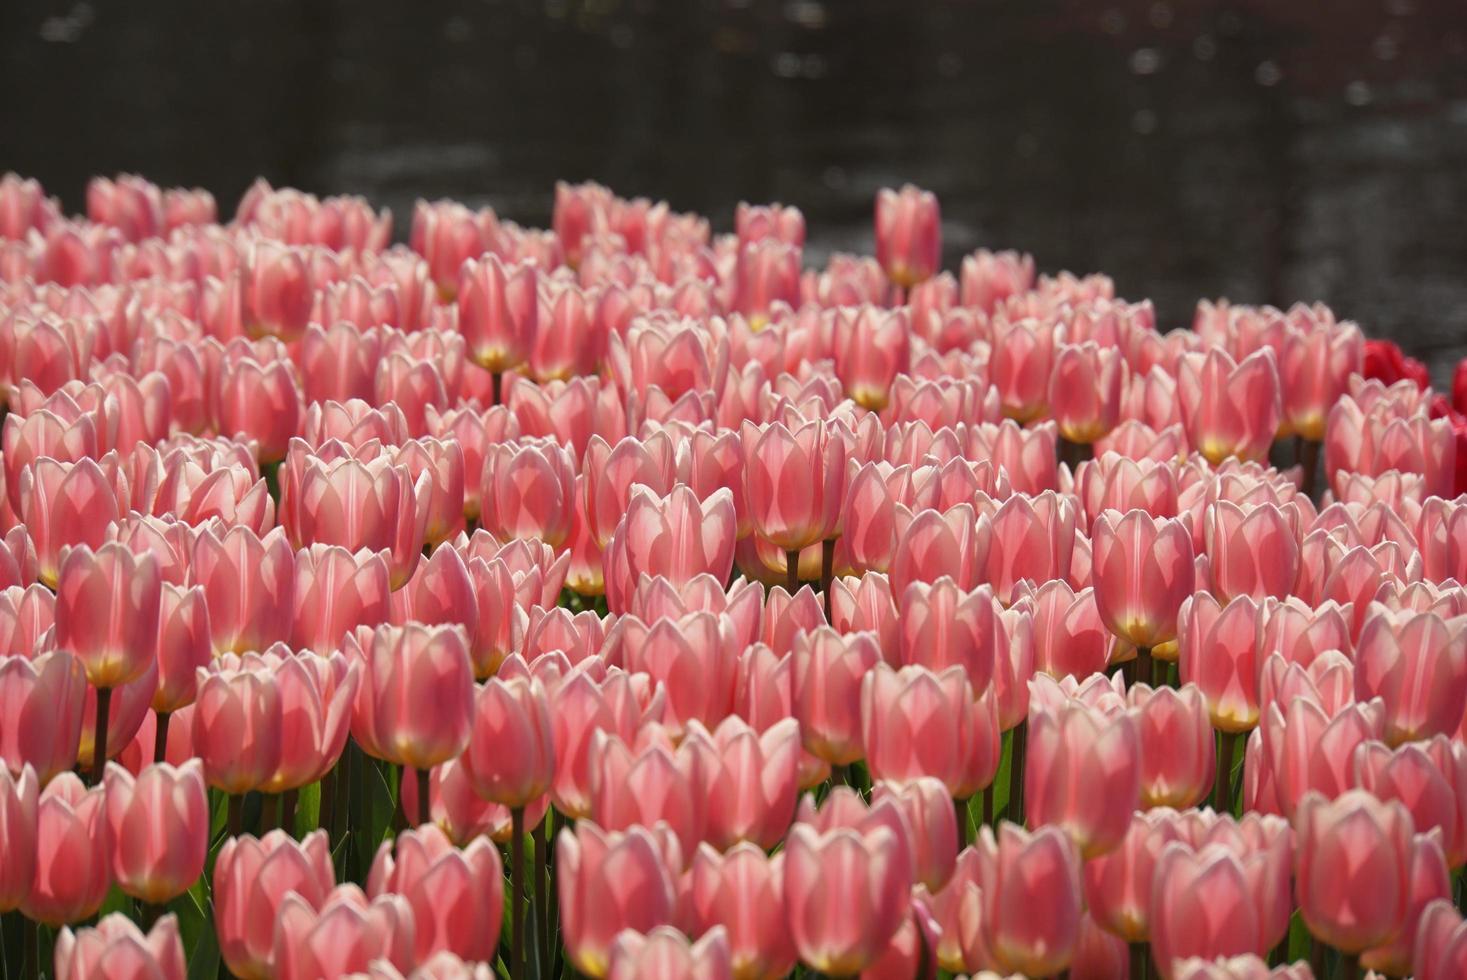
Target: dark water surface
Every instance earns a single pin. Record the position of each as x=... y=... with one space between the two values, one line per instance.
x=1267 y=150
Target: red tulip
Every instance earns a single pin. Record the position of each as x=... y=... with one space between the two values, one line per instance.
x=251 y=880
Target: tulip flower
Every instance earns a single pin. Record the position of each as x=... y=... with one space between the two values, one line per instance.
x=742 y=891
x=1428 y=778
x=107 y=612
x=1085 y=391
x=1069 y=638
x=236 y=728
x=871 y=349
x=610 y=473
x=1429 y=882
x=42 y=704
x=908 y=234
x=335 y=592
x=943 y=626
x=73 y=847
x=158 y=825
x=19 y=799
x=456 y=896
x=116 y=949
x=1306 y=750
x=1218 y=651
x=1118 y=884
x=342 y=936
x=666 y=952
x=753 y=778
x=1418 y=665
x=676 y=537
x=916 y=722
x=1143 y=571
x=1083 y=774
x=651 y=783
x=795 y=483
x=251 y=879
x=1314 y=368
x=67 y=504
x=498 y=311
x=249 y=584
x=931 y=826
x=766 y=272
x=1229 y=407
x=827 y=676
x=1440 y=949
x=610 y=881
x=528 y=491
x=510 y=757
x=261 y=402
x=414 y=705
x=846 y=894
x=1030 y=893
x=1353 y=869
x=1252 y=551
x=1203 y=904
x=1177 y=751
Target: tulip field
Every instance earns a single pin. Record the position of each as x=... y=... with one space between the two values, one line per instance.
x=634 y=599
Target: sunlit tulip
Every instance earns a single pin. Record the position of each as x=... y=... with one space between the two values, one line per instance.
x=66 y=504
x=826 y=684
x=610 y=881
x=343 y=935
x=908 y=234
x=498 y=311
x=1030 y=893
x=1203 y=904
x=116 y=949
x=41 y=710
x=249 y=584
x=1118 y=884
x=795 y=482
x=19 y=798
x=1218 y=651
x=1177 y=750
x=251 y=879
x=414 y=704
x=666 y=952
x=107 y=612
x=456 y=896
x=1440 y=950
x=159 y=829
x=1143 y=569
x=1082 y=773
x=1230 y=408
x=73 y=848
x=1252 y=551
x=510 y=757
x=1418 y=665
x=931 y=824
x=651 y=783
x=916 y=722
x=261 y=402
x=1353 y=869
x=943 y=626
x=528 y=491
x=1306 y=750
x=1085 y=391
x=236 y=728
x=743 y=891
x=753 y=779
x=871 y=349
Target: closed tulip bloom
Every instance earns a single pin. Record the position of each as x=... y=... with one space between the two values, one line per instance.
x=107 y=611
x=1314 y=367
x=865 y=603
x=345 y=935
x=827 y=676
x=954 y=543
x=677 y=537
x=1306 y=750
x=415 y=703
x=1085 y=390
x=260 y=402
x=908 y=234
x=73 y=847
x=1178 y=756
x=1021 y=365
x=871 y=349
x=932 y=827
x=158 y=824
x=1069 y=638
x=249 y=583
x=794 y=482
x=742 y=891
x=67 y=504
x=528 y=491
x=236 y=727
x=498 y=311
x=1033 y=538
x=441 y=592
x=1252 y=551
x=943 y=626
x=1329 y=681
x=251 y=879
x=335 y=592
x=1230 y=408
x=1113 y=481
x=1218 y=652
x=1353 y=869
x=1083 y=774
x=1030 y=893
x=666 y=953
x=1429 y=882
x=372 y=505
x=1428 y=778
x=610 y=881
x=184 y=645
x=1143 y=570
x=1440 y=950
x=116 y=949
x=510 y=758
x=847 y=895
x=916 y=722
x=651 y=783
x=316 y=697
x=753 y=779
x=610 y=472
x=456 y=896
x=19 y=798
x=1118 y=884
x=1203 y=904
x=41 y=710
x=1417 y=663
x=766 y=272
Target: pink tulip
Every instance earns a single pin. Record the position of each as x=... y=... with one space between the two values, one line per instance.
x=446 y=234
x=335 y=592
x=528 y=491
x=1429 y=779
x=866 y=604
x=1204 y=904
x=23 y=206
x=1353 y=869
x=871 y=349
x=670 y=357
x=236 y=727
x=159 y=828
x=19 y=799
x=1230 y=408
x=611 y=881
x=1440 y=950
x=1115 y=481
x=260 y=402
x=1083 y=774
x=1022 y=364
x=27 y=616
x=498 y=311
x=787 y=618
x=908 y=234
x=1069 y=638
x=651 y=783
x=1032 y=539
x=1143 y=571
x=1306 y=750
x=1314 y=366
x=251 y=879
x=989 y=278
x=1030 y=894
x=676 y=537
x=41 y=709
x=753 y=778
x=1118 y=884
x=510 y=757
x=611 y=472
x=581 y=708
x=942 y=626
x=414 y=705
x=1429 y=882
x=184 y=645
x=919 y=723
x=67 y=504
x=116 y=949
x=1252 y=551
x=754 y=222
x=743 y=892
x=666 y=953
x=1085 y=391
x=73 y=845
x=826 y=691
x=1218 y=651
x=1329 y=681
x=342 y=936
x=846 y=894
x=795 y=482
x=107 y=612
x=1417 y=663
x=249 y=583
x=931 y=826
x=1387 y=437
x=1177 y=751
x=456 y=896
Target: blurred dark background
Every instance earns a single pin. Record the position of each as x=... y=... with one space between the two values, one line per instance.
x=1265 y=150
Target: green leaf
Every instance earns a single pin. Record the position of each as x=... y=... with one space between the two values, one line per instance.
x=196 y=929
x=1001 y=781
x=115 y=901
x=1300 y=942
x=307 y=810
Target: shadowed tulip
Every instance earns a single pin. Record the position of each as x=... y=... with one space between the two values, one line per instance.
x=251 y=879
x=414 y=705
x=847 y=895
x=73 y=846
x=1143 y=570
x=1030 y=894
x=665 y=953
x=116 y=949
x=1429 y=779
x=1353 y=869
x=510 y=757
x=931 y=826
x=344 y=935
x=908 y=234
x=1082 y=773
x=41 y=710
x=456 y=896
x=827 y=675
x=1416 y=663
x=743 y=892
x=107 y=604
x=610 y=881
x=1440 y=950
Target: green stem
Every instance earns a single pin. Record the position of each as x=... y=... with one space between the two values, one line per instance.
x=425 y=809
x=542 y=895
x=827 y=572
x=1140 y=960
x=792 y=572
x=160 y=739
x=1016 y=773
x=1224 y=802
x=517 y=887
x=99 y=740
